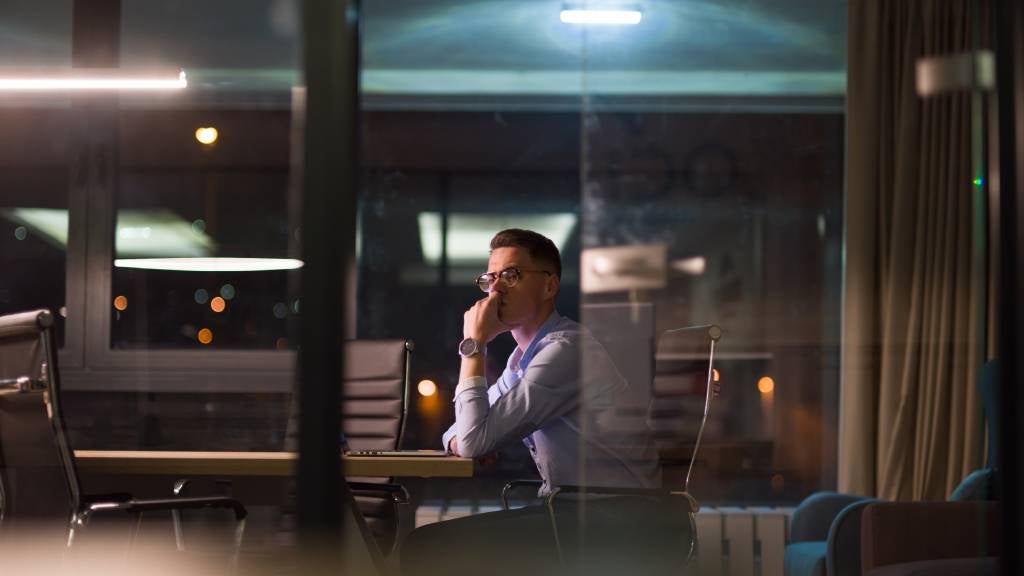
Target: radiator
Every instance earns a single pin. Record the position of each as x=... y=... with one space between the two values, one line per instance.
x=741 y=541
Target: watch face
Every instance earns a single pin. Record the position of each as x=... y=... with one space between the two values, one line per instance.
x=468 y=347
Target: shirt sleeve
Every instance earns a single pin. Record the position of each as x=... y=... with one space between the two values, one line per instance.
x=446 y=438
x=548 y=390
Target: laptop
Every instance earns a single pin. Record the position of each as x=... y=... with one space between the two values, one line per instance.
x=415 y=453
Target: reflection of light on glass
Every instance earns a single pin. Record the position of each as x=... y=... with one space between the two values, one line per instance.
x=296 y=306
x=469 y=234
x=131 y=233
x=199 y=226
x=714 y=374
x=766 y=385
x=121 y=303
x=218 y=304
x=280 y=310
x=21 y=232
x=210 y=264
x=206 y=135
x=63 y=311
x=426 y=388
x=227 y=291
x=694 y=266
x=96 y=80
x=139 y=233
x=202 y=296
x=605 y=17
x=205 y=336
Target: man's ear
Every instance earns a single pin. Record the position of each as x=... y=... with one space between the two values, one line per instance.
x=551 y=286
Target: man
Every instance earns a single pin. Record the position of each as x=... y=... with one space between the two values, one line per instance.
x=558 y=395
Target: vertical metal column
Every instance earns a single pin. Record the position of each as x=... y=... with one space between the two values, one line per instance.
x=330 y=169
x=1008 y=25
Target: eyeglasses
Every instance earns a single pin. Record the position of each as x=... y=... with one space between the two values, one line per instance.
x=510 y=276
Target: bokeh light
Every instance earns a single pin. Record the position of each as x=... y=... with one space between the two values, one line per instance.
x=206 y=135
x=218 y=304
x=426 y=388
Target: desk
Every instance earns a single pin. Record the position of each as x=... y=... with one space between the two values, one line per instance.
x=259 y=464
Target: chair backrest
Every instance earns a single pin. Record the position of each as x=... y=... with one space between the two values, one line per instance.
x=38 y=481
x=376 y=395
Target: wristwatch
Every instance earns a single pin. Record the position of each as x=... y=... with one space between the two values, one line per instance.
x=470 y=347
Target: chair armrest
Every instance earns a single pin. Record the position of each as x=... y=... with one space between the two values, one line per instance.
x=397 y=492
x=901 y=532
x=514 y=484
x=168 y=504
x=616 y=491
x=842 y=557
x=813 y=517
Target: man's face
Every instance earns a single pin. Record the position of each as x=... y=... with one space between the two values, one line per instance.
x=526 y=299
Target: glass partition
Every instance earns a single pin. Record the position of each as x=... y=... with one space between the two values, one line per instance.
x=36 y=168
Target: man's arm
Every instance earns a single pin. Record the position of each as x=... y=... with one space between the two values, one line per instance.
x=482 y=324
x=549 y=389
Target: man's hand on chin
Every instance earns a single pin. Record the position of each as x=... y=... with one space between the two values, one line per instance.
x=481 y=321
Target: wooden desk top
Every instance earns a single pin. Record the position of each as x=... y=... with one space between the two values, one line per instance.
x=260 y=464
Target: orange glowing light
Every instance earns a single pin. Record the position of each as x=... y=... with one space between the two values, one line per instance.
x=206 y=135
x=426 y=388
x=205 y=336
x=121 y=303
x=714 y=374
x=218 y=304
x=766 y=385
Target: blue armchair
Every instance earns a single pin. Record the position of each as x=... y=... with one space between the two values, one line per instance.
x=825 y=532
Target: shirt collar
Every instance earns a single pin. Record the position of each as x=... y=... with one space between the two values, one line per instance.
x=521 y=359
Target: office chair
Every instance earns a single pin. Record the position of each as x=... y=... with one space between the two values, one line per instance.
x=712 y=334
x=374 y=410
x=39 y=481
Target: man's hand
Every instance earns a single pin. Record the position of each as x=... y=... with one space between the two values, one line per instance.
x=485 y=460
x=481 y=321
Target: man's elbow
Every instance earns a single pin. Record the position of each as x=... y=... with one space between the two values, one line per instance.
x=471 y=447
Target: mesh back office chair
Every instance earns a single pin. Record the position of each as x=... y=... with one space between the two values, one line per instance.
x=39 y=485
x=374 y=409
x=710 y=335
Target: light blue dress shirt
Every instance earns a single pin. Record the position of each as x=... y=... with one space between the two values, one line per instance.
x=560 y=396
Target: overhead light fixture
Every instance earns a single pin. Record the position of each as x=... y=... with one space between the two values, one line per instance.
x=469 y=234
x=601 y=16
x=86 y=79
x=221 y=264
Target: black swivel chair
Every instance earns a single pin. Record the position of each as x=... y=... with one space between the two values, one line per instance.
x=39 y=484
x=374 y=409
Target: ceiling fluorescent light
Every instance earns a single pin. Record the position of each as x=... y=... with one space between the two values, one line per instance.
x=617 y=17
x=210 y=264
x=85 y=79
x=469 y=234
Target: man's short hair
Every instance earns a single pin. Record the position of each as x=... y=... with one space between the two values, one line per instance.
x=541 y=249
